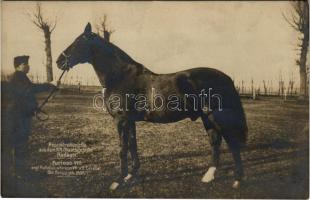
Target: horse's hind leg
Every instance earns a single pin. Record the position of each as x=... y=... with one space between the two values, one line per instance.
x=234 y=146
x=133 y=148
x=215 y=139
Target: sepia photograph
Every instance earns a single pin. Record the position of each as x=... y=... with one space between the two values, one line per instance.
x=155 y=99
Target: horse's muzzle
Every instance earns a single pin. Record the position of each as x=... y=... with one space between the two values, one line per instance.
x=60 y=64
x=63 y=62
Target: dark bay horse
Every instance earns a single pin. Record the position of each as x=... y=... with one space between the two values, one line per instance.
x=134 y=93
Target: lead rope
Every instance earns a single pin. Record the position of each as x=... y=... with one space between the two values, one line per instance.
x=39 y=108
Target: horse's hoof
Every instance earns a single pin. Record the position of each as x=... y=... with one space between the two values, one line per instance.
x=114 y=186
x=209 y=175
x=236 y=185
x=128 y=177
x=121 y=182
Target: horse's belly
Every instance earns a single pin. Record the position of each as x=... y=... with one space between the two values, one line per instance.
x=168 y=117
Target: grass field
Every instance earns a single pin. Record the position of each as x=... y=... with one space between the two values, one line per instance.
x=175 y=156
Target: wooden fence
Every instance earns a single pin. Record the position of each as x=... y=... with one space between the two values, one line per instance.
x=248 y=89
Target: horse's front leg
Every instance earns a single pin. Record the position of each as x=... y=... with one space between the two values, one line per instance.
x=123 y=131
x=133 y=148
x=123 y=137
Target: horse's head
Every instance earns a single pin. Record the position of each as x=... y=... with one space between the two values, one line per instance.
x=78 y=52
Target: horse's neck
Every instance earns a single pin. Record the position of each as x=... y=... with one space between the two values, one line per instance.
x=113 y=65
x=114 y=71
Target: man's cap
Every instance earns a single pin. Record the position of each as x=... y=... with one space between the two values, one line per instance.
x=18 y=60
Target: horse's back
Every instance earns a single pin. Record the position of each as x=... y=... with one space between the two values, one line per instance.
x=209 y=79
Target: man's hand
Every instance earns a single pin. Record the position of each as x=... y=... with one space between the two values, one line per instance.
x=55 y=83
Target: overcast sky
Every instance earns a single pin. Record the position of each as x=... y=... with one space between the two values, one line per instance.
x=243 y=39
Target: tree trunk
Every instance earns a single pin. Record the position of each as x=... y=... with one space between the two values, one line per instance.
x=49 y=61
x=303 y=84
x=302 y=66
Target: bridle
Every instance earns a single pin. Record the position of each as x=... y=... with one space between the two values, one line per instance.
x=39 y=108
x=66 y=63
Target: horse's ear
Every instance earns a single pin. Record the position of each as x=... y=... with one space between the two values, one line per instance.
x=87 y=30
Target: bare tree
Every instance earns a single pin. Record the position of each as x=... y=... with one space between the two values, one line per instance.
x=270 y=87
x=47 y=27
x=291 y=85
x=102 y=28
x=252 y=86
x=281 y=85
x=298 y=19
x=242 y=87
x=265 y=87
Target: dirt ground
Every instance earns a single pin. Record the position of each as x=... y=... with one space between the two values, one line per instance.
x=175 y=156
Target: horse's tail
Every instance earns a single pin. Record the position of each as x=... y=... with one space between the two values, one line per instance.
x=242 y=134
